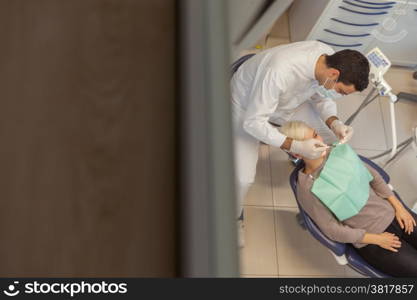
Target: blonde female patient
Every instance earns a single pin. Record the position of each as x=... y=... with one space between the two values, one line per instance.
x=383 y=229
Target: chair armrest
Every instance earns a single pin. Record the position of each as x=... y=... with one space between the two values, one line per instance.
x=336 y=247
x=381 y=171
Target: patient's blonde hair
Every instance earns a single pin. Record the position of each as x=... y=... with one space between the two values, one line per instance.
x=295 y=130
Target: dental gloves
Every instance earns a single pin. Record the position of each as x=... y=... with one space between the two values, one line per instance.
x=343 y=132
x=310 y=149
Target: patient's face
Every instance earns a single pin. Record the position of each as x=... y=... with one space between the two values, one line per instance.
x=312 y=134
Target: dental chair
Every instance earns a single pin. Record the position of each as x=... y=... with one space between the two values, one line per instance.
x=236 y=65
x=344 y=253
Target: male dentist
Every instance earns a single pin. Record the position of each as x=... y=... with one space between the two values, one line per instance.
x=297 y=81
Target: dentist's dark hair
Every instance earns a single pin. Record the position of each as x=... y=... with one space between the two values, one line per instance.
x=353 y=67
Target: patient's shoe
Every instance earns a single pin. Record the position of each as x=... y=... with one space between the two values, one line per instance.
x=241 y=233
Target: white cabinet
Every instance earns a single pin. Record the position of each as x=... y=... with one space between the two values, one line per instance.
x=359 y=25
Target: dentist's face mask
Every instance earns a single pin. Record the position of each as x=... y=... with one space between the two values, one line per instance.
x=328 y=93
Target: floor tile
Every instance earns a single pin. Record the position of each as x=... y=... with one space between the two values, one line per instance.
x=405 y=119
x=402 y=171
x=258 y=257
x=298 y=252
x=281 y=27
x=368 y=125
x=401 y=80
x=260 y=193
x=350 y=273
x=276 y=41
x=281 y=169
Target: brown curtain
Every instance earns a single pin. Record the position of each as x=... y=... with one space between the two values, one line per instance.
x=87 y=138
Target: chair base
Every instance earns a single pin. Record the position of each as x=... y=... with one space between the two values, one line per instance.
x=300 y=221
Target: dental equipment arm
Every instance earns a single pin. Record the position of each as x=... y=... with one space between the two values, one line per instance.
x=379 y=65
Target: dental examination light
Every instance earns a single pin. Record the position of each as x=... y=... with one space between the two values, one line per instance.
x=379 y=65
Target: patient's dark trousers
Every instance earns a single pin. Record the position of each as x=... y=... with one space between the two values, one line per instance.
x=397 y=264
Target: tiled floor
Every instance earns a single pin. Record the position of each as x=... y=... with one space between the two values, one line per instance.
x=276 y=246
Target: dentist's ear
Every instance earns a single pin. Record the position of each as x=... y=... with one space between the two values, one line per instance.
x=333 y=73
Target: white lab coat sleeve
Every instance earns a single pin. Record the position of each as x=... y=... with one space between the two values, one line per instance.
x=326 y=107
x=263 y=101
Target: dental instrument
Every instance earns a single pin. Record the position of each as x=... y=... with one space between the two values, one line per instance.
x=334 y=145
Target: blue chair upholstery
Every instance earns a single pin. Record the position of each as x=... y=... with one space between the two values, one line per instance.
x=236 y=65
x=355 y=261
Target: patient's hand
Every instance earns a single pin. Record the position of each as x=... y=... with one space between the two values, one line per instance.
x=389 y=241
x=405 y=219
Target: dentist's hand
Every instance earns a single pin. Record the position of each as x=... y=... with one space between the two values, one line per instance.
x=343 y=132
x=310 y=149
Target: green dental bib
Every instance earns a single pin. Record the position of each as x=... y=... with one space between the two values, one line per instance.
x=343 y=184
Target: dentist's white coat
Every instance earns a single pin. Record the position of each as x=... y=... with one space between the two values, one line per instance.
x=275 y=85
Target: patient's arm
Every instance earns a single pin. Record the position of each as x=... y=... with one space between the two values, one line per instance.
x=370 y=238
x=325 y=220
x=378 y=184
x=404 y=218
x=386 y=240
x=338 y=231
x=395 y=202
